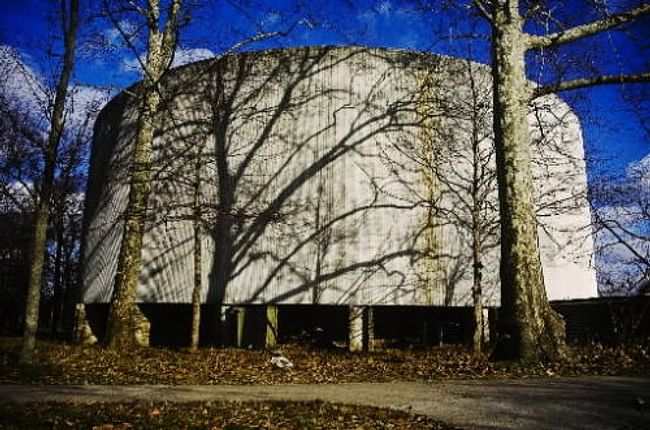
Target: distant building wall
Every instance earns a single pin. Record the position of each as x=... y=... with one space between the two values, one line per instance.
x=610 y=320
x=326 y=176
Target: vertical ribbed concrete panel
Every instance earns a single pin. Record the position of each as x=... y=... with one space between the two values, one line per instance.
x=323 y=176
x=565 y=234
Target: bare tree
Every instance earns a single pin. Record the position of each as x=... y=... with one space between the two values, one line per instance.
x=16 y=205
x=69 y=22
x=621 y=212
x=531 y=330
x=26 y=115
x=20 y=144
x=198 y=222
x=474 y=190
x=124 y=316
x=66 y=220
x=455 y=184
x=457 y=160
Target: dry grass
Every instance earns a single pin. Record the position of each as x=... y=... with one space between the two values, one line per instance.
x=210 y=415
x=60 y=363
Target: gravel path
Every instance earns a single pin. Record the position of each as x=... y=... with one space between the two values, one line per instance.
x=567 y=403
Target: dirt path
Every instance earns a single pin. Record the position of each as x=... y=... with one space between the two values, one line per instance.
x=567 y=403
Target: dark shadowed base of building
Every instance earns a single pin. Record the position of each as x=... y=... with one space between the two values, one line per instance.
x=606 y=320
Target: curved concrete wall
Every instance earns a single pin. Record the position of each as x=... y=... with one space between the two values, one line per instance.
x=327 y=175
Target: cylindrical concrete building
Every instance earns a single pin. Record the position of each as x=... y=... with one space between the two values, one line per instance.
x=329 y=176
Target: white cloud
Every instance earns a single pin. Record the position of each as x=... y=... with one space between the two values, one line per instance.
x=132 y=64
x=83 y=104
x=21 y=84
x=368 y=18
x=640 y=171
x=384 y=7
x=617 y=265
x=17 y=196
x=185 y=56
x=270 y=19
x=181 y=56
x=115 y=38
x=25 y=88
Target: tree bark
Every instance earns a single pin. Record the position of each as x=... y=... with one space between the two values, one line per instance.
x=70 y=23
x=478 y=224
x=57 y=300
x=126 y=328
x=122 y=324
x=477 y=300
x=530 y=329
x=198 y=258
x=477 y=274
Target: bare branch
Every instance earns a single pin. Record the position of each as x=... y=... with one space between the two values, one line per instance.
x=171 y=29
x=480 y=6
x=253 y=39
x=575 y=33
x=138 y=9
x=153 y=15
x=590 y=82
x=125 y=37
x=621 y=240
x=7 y=193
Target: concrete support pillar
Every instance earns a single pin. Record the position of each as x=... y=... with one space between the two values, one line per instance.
x=486 y=326
x=271 y=319
x=222 y=334
x=240 y=320
x=81 y=332
x=355 y=329
x=142 y=328
x=368 y=329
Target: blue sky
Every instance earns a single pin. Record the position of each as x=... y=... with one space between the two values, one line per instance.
x=616 y=133
x=613 y=134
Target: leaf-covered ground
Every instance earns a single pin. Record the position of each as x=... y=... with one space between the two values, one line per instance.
x=209 y=415
x=60 y=363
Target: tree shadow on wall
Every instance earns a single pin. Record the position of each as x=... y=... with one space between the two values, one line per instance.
x=291 y=169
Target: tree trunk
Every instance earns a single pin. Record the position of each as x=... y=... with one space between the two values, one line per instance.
x=198 y=259
x=70 y=278
x=477 y=299
x=57 y=300
x=127 y=328
x=37 y=257
x=530 y=329
x=477 y=289
x=124 y=314
x=477 y=223
x=39 y=237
